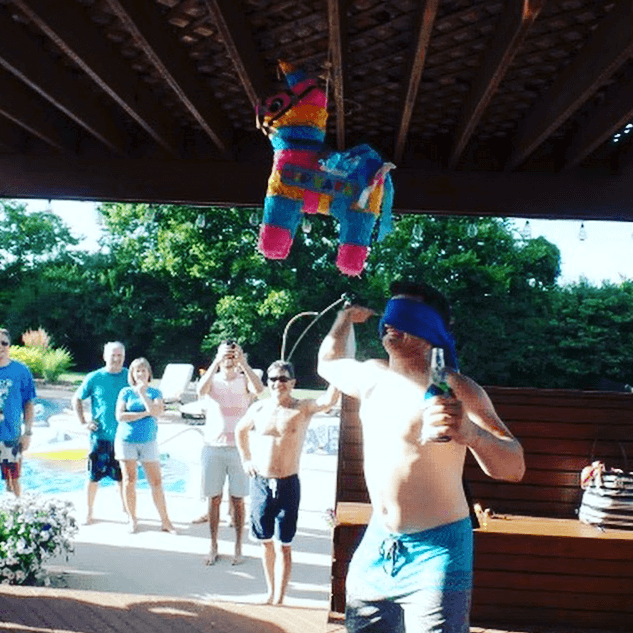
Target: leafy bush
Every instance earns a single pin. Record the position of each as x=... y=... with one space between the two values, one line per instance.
x=55 y=362
x=36 y=338
x=43 y=363
x=33 y=529
x=32 y=357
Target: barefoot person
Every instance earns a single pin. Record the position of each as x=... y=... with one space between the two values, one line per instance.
x=270 y=438
x=17 y=393
x=227 y=388
x=102 y=387
x=137 y=408
x=413 y=568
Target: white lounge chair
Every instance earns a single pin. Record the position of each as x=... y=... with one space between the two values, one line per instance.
x=175 y=380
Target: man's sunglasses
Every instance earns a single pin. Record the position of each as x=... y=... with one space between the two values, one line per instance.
x=5 y=343
x=281 y=379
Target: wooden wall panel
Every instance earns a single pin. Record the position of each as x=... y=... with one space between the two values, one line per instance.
x=549 y=570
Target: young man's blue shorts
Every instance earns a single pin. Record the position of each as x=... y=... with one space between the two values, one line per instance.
x=274 y=508
x=418 y=582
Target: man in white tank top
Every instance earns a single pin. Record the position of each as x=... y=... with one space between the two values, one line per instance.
x=229 y=386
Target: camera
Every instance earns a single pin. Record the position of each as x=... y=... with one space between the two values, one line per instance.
x=230 y=343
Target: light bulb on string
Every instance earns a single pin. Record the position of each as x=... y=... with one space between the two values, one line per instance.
x=201 y=221
x=253 y=220
x=418 y=232
x=472 y=230
x=582 y=233
x=49 y=206
x=306 y=225
x=526 y=231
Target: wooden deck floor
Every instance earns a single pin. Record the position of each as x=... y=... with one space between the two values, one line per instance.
x=46 y=610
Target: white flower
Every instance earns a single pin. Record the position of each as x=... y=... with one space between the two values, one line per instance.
x=33 y=525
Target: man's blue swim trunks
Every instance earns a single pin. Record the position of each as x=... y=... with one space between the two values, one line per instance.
x=418 y=582
x=274 y=508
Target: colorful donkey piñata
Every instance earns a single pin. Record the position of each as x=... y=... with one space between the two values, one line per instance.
x=352 y=186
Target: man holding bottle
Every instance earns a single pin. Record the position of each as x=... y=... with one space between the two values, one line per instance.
x=413 y=569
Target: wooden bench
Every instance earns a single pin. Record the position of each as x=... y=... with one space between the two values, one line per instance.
x=535 y=563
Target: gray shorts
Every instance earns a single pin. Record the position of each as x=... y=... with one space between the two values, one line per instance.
x=218 y=463
x=136 y=451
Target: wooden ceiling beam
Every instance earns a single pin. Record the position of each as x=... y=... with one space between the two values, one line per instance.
x=67 y=25
x=22 y=57
x=163 y=50
x=23 y=107
x=604 y=123
x=606 y=50
x=228 y=17
x=12 y=137
x=337 y=28
x=513 y=27
x=224 y=183
x=428 y=11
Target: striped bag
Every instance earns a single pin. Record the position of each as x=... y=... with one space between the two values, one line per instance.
x=607 y=500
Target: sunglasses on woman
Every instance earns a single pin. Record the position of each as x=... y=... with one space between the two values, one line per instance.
x=281 y=379
x=5 y=343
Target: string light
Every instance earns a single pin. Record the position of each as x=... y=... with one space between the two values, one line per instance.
x=472 y=230
x=254 y=219
x=526 y=231
x=306 y=226
x=627 y=130
x=418 y=232
x=582 y=233
x=201 y=221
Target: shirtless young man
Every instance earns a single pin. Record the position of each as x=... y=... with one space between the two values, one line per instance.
x=413 y=568
x=270 y=438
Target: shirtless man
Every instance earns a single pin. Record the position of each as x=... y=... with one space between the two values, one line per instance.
x=413 y=568
x=270 y=438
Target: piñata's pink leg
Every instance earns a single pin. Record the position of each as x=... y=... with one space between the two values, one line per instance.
x=274 y=241
x=351 y=259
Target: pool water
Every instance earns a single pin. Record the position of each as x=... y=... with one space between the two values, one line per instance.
x=48 y=477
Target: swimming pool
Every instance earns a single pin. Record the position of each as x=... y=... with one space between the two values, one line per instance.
x=56 y=461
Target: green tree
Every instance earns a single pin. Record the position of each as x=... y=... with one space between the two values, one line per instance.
x=30 y=237
x=592 y=330
x=498 y=284
x=217 y=280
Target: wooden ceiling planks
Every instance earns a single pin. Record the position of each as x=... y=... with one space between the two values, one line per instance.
x=507 y=98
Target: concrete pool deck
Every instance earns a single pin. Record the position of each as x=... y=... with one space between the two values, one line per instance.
x=150 y=562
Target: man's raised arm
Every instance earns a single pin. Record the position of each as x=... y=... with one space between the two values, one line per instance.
x=344 y=373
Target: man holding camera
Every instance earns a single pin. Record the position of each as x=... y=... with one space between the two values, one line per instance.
x=229 y=386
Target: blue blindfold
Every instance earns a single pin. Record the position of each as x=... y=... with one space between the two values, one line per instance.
x=419 y=319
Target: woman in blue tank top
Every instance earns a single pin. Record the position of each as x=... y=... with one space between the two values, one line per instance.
x=137 y=408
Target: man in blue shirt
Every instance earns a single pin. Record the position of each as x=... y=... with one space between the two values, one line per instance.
x=102 y=387
x=17 y=393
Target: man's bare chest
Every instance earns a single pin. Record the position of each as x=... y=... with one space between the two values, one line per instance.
x=282 y=422
x=393 y=409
